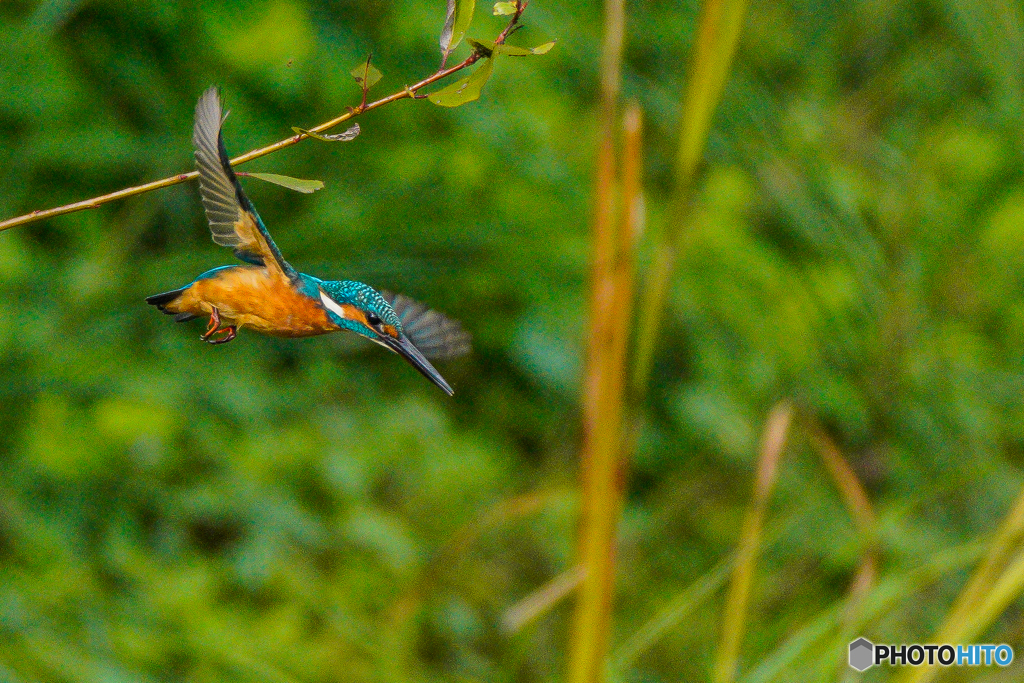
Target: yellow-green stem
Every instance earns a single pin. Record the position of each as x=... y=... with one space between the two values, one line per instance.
x=603 y=463
x=717 y=37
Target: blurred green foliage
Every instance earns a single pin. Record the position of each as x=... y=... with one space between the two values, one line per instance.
x=313 y=510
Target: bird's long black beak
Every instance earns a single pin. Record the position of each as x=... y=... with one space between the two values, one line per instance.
x=404 y=348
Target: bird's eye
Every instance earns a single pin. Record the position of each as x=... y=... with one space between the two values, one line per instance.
x=372 y=319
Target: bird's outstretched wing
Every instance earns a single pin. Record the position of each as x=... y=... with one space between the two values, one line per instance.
x=435 y=335
x=233 y=219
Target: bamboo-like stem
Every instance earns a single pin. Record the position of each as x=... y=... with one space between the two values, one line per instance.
x=773 y=442
x=600 y=457
x=604 y=404
x=409 y=92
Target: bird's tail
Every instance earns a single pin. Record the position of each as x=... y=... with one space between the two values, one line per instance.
x=161 y=301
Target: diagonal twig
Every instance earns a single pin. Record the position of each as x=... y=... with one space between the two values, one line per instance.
x=406 y=92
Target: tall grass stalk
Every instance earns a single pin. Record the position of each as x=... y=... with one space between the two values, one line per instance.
x=717 y=37
x=604 y=402
x=996 y=582
x=773 y=441
x=718 y=34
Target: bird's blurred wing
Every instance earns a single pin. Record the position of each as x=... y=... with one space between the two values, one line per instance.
x=233 y=219
x=435 y=335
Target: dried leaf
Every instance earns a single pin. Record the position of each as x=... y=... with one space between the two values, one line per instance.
x=448 y=29
x=297 y=184
x=456 y=23
x=348 y=135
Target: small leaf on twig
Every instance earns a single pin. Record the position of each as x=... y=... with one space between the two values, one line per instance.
x=482 y=47
x=366 y=75
x=516 y=51
x=297 y=184
x=505 y=8
x=465 y=89
x=348 y=135
x=456 y=23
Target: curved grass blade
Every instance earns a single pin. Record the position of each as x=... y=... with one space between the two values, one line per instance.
x=677 y=610
x=734 y=616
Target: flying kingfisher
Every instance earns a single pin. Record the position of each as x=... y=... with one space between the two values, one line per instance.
x=269 y=296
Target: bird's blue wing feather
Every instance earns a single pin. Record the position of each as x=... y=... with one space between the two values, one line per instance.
x=233 y=219
x=434 y=334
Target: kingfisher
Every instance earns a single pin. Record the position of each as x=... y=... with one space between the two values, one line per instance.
x=268 y=295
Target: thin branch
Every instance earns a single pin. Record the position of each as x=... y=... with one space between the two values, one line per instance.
x=408 y=92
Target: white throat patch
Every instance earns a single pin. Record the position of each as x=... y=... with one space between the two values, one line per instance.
x=332 y=306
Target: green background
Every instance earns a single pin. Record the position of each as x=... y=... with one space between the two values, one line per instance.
x=313 y=510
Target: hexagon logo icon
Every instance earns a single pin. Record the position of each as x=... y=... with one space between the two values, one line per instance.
x=862 y=653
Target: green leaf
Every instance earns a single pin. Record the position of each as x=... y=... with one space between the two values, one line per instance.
x=297 y=184
x=516 y=51
x=366 y=74
x=348 y=135
x=484 y=47
x=465 y=89
x=456 y=23
x=463 y=18
x=543 y=48
x=505 y=8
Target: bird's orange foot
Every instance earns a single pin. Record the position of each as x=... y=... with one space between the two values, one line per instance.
x=229 y=333
x=214 y=327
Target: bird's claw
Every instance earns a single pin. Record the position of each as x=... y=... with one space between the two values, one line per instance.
x=229 y=334
x=214 y=327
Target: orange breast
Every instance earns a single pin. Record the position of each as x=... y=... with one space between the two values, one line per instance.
x=249 y=296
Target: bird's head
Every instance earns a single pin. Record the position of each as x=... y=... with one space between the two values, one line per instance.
x=362 y=309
